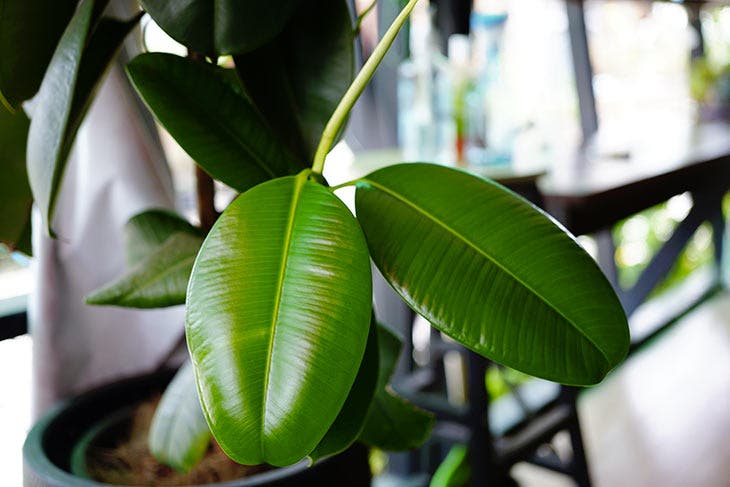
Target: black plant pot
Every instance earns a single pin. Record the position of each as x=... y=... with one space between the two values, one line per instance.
x=48 y=449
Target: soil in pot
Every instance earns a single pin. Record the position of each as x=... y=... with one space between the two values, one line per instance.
x=119 y=455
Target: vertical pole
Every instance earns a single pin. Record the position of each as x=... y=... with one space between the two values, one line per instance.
x=479 y=444
x=452 y=17
x=693 y=14
x=484 y=464
x=582 y=68
x=384 y=83
x=578 y=464
x=606 y=257
x=717 y=220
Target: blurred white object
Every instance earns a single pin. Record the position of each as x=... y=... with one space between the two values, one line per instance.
x=115 y=171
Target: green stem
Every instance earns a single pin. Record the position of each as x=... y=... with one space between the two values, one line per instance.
x=344 y=185
x=356 y=88
x=5 y=103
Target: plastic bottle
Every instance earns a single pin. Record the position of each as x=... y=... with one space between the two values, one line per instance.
x=426 y=126
x=489 y=138
x=416 y=114
x=461 y=81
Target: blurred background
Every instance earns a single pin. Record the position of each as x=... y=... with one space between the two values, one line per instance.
x=613 y=116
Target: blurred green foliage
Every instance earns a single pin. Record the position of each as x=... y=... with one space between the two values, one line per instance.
x=639 y=237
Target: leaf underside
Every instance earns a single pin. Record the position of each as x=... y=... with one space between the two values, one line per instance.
x=179 y=435
x=85 y=51
x=146 y=231
x=218 y=27
x=15 y=196
x=392 y=422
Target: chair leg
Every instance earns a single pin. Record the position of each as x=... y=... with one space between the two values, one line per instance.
x=578 y=464
x=486 y=470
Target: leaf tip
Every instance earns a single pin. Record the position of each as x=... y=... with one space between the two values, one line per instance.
x=104 y=296
x=96 y=298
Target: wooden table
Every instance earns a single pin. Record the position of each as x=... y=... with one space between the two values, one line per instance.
x=591 y=194
x=588 y=194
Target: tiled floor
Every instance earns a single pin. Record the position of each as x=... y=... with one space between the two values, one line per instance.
x=661 y=420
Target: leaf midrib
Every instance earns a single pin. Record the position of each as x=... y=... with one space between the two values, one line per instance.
x=148 y=281
x=299 y=182
x=467 y=241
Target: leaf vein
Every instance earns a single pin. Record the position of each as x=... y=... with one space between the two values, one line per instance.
x=298 y=189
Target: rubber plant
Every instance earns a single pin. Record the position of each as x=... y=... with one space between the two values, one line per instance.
x=287 y=358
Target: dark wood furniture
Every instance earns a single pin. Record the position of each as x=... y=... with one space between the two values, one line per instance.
x=591 y=194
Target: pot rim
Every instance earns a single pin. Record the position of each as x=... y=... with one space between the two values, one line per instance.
x=36 y=459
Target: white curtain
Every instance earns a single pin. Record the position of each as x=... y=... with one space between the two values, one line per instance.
x=115 y=170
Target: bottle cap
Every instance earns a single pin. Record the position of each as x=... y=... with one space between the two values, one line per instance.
x=459 y=48
x=490 y=6
x=482 y=20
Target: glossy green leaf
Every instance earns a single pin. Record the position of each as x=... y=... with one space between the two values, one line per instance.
x=298 y=79
x=29 y=31
x=278 y=312
x=389 y=345
x=393 y=423
x=211 y=119
x=16 y=199
x=221 y=26
x=83 y=55
x=493 y=272
x=179 y=435
x=158 y=280
x=351 y=420
x=146 y=231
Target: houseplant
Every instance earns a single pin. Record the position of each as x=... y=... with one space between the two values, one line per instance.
x=288 y=359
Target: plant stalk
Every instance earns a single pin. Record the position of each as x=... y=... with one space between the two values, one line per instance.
x=5 y=103
x=356 y=88
x=204 y=185
x=205 y=189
